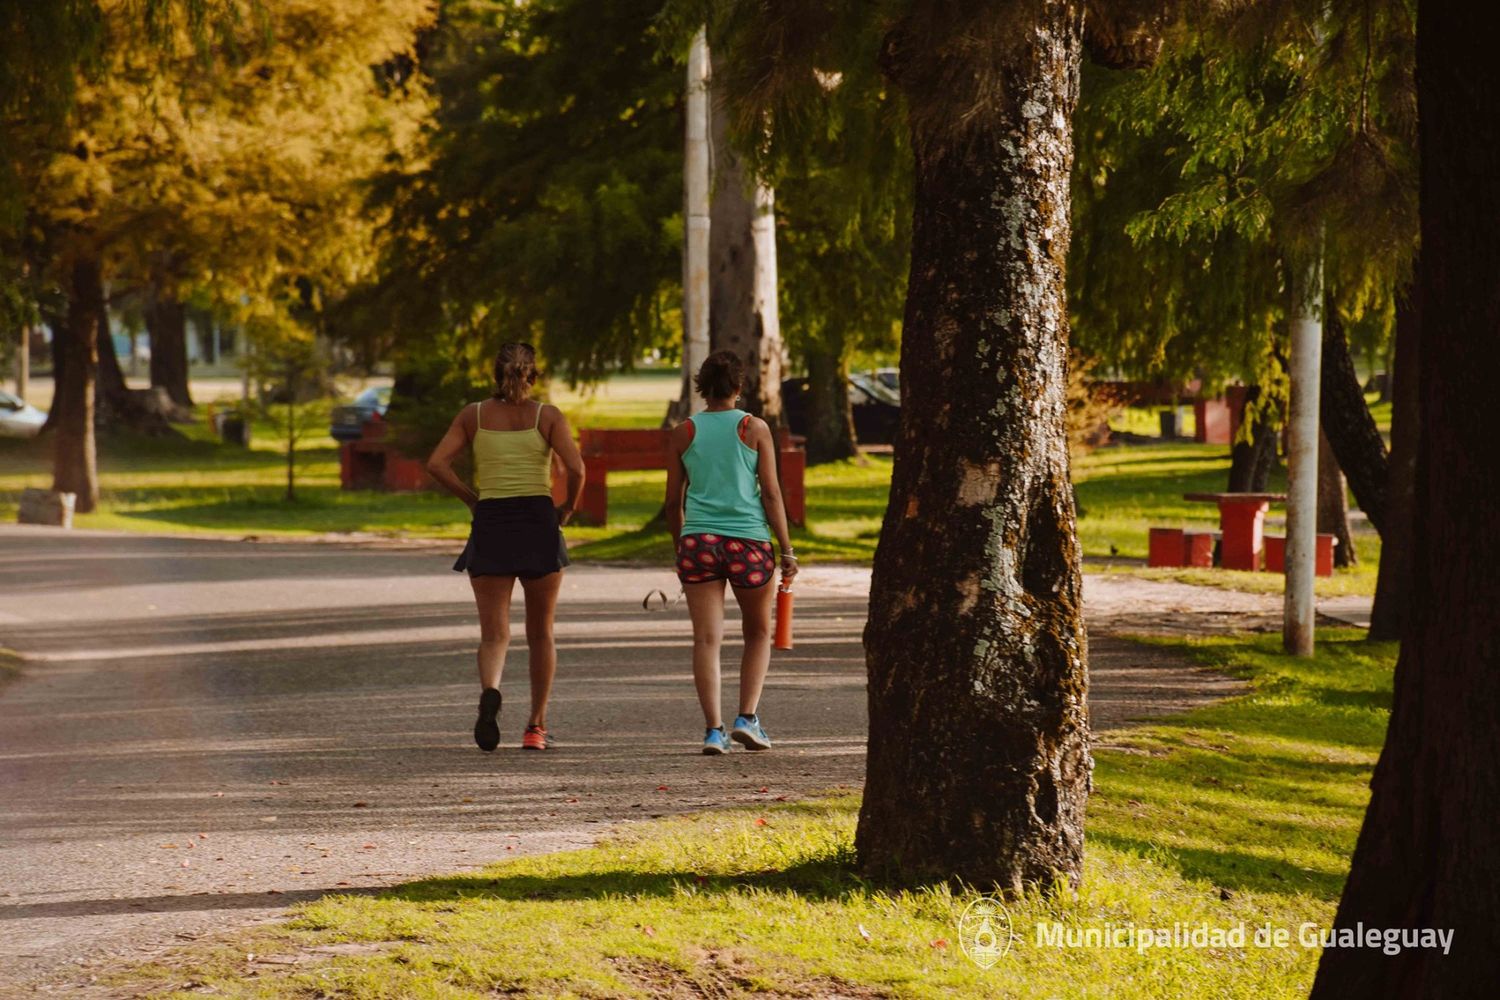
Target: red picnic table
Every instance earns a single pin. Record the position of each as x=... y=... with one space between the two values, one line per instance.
x=1242 y=519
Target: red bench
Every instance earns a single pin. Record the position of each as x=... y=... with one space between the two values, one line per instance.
x=1176 y=547
x=608 y=450
x=1322 y=558
x=373 y=463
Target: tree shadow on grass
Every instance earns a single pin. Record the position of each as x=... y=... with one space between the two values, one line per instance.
x=828 y=877
x=1229 y=869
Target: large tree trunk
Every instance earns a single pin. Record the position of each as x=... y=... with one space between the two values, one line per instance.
x=1333 y=504
x=742 y=313
x=1347 y=422
x=73 y=457
x=979 y=765
x=1426 y=854
x=166 y=320
x=830 y=416
x=1393 y=583
x=1250 y=461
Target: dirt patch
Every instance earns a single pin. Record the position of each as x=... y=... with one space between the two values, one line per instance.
x=722 y=975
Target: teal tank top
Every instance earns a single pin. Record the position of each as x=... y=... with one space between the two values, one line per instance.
x=723 y=494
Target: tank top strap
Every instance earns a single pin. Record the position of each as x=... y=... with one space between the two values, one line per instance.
x=538 y=424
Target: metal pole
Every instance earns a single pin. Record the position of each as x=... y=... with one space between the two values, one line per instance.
x=1302 y=458
x=696 y=183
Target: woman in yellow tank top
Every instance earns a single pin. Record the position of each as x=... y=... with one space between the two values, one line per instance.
x=516 y=531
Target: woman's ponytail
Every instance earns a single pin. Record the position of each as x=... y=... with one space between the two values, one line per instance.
x=515 y=372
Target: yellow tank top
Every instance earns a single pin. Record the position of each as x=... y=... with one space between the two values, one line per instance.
x=511 y=463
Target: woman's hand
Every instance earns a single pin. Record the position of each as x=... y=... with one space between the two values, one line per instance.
x=788 y=566
x=564 y=515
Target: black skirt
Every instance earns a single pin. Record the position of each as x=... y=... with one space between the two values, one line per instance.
x=514 y=536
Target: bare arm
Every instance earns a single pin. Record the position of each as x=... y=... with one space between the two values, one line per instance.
x=770 y=494
x=682 y=436
x=560 y=437
x=440 y=462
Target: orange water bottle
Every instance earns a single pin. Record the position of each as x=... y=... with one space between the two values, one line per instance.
x=784 y=616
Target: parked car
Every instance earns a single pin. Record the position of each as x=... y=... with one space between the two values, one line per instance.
x=890 y=378
x=19 y=418
x=877 y=410
x=349 y=421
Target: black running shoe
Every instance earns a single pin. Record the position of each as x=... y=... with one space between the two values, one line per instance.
x=487 y=729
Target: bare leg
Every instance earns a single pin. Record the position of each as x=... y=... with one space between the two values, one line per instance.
x=492 y=597
x=706 y=607
x=755 y=610
x=541 y=650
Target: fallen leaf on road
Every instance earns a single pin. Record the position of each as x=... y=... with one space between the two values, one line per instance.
x=202 y=836
x=941 y=944
x=649 y=931
x=268 y=819
x=468 y=800
x=361 y=805
x=572 y=800
x=760 y=821
x=662 y=788
x=764 y=789
x=218 y=795
x=169 y=847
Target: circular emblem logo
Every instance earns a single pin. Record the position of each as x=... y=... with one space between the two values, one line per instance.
x=984 y=931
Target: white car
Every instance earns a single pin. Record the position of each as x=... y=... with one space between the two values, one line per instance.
x=19 y=418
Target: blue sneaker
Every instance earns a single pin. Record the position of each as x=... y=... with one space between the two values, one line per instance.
x=750 y=733
x=715 y=742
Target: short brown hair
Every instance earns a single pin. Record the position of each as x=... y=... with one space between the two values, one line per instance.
x=721 y=377
x=515 y=371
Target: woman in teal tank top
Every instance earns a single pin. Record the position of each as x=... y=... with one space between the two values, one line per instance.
x=723 y=503
x=515 y=532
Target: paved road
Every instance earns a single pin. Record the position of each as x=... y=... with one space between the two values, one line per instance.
x=207 y=731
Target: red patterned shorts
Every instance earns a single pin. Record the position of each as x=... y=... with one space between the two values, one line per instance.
x=745 y=563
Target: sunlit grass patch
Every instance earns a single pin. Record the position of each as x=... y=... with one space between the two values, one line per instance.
x=1242 y=812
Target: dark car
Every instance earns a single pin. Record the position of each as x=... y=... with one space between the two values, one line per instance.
x=877 y=410
x=349 y=421
x=889 y=377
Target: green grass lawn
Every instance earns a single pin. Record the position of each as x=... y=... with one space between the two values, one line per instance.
x=199 y=485
x=1245 y=811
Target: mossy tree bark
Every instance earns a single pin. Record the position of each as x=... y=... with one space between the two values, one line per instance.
x=74 y=468
x=1333 y=504
x=1250 y=461
x=1426 y=854
x=1346 y=420
x=830 y=416
x=979 y=764
x=166 y=320
x=1393 y=582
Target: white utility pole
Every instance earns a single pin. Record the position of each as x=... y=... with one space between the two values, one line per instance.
x=1302 y=452
x=695 y=174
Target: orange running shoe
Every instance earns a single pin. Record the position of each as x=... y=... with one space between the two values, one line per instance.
x=536 y=738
